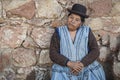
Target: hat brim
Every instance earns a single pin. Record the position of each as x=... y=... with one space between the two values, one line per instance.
x=78 y=13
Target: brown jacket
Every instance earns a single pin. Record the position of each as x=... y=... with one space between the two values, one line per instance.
x=58 y=58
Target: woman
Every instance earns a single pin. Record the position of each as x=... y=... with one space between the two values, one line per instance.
x=74 y=49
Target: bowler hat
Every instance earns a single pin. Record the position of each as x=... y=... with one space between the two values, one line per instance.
x=79 y=9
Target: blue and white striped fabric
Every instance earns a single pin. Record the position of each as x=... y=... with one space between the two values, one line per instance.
x=75 y=52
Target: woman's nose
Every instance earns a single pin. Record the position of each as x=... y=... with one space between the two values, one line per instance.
x=73 y=21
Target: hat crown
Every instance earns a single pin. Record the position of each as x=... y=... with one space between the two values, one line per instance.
x=79 y=8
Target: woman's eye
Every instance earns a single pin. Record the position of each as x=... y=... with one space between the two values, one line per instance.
x=77 y=19
x=71 y=17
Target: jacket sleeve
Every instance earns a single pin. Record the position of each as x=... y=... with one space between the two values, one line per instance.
x=54 y=53
x=93 y=53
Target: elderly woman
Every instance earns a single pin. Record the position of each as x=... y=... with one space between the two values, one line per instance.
x=74 y=49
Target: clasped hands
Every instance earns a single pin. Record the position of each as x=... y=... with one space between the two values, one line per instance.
x=75 y=66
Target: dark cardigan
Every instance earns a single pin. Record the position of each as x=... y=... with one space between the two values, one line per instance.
x=58 y=58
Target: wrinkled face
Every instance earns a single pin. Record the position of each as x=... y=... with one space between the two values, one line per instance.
x=74 y=21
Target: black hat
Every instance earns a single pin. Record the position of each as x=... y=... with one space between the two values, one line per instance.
x=79 y=9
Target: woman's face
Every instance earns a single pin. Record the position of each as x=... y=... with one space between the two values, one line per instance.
x=74 y=21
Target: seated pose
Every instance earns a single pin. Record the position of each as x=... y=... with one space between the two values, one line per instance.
x=74 y=49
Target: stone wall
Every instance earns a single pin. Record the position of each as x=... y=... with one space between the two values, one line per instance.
x=26 y=27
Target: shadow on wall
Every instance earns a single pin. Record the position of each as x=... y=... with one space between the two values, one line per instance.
x=108 y=68
x=39 y=74
x=31 y=76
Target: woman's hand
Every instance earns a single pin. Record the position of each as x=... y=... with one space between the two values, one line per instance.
x=76 y=67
